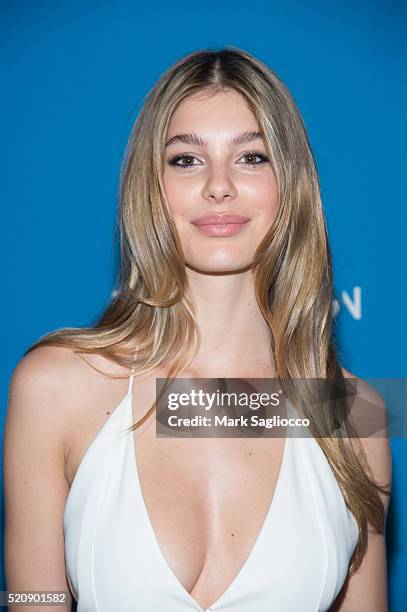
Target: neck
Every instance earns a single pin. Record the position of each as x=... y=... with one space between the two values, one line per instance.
x=235 y=338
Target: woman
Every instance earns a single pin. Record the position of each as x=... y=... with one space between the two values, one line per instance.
x=138 y=522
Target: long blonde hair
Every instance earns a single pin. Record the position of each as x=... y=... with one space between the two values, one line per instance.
x=151 y=309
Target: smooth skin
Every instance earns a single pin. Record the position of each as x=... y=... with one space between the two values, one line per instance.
x=219 y=182
x=52 y=390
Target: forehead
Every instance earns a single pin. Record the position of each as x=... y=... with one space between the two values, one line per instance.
x=211 y=111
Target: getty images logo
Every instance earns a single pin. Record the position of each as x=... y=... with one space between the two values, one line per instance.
x=353 y=304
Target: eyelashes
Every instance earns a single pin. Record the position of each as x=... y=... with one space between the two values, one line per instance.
x=188 y=156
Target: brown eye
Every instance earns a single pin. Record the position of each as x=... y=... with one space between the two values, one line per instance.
x=175 y=161
x=251 y=157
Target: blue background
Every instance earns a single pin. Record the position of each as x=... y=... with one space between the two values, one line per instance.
x=74 y=75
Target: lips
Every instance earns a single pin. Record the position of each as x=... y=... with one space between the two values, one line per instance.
x=224 y=219
x=222 y=225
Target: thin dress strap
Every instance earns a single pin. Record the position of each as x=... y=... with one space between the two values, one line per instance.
x=131 y=378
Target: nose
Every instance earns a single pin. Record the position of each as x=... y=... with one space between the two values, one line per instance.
x=219 y=186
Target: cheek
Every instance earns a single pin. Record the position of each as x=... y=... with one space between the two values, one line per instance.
x=272 y=202
x=264 y=196
x=178 y=196
x=173 y=194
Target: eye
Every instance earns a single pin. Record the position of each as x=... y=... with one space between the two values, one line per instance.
x=185 y=156
x=251 y=157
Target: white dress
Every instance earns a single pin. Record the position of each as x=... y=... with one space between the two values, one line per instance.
x=114 y=563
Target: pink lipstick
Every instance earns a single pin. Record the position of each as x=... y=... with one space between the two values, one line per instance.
x=221 y=224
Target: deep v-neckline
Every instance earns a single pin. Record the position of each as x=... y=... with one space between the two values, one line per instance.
x=249 y=559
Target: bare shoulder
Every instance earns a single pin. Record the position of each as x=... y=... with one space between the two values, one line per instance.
x=364 y=389
x=56 y=387
x=38 y=387
x=45 y=367
x=375 y=443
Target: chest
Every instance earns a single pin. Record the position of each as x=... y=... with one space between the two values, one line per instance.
x=206 y=500
x=165 y=539
x=174 y=522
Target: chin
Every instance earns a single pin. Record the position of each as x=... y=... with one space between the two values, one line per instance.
x=217 y=267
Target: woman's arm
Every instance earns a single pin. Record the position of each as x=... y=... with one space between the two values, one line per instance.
x=35 y=487
x=366 y=590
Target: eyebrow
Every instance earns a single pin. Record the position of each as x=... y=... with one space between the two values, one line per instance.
x=191 y=138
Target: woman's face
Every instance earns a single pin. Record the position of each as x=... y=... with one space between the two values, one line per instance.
x=215 y=163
